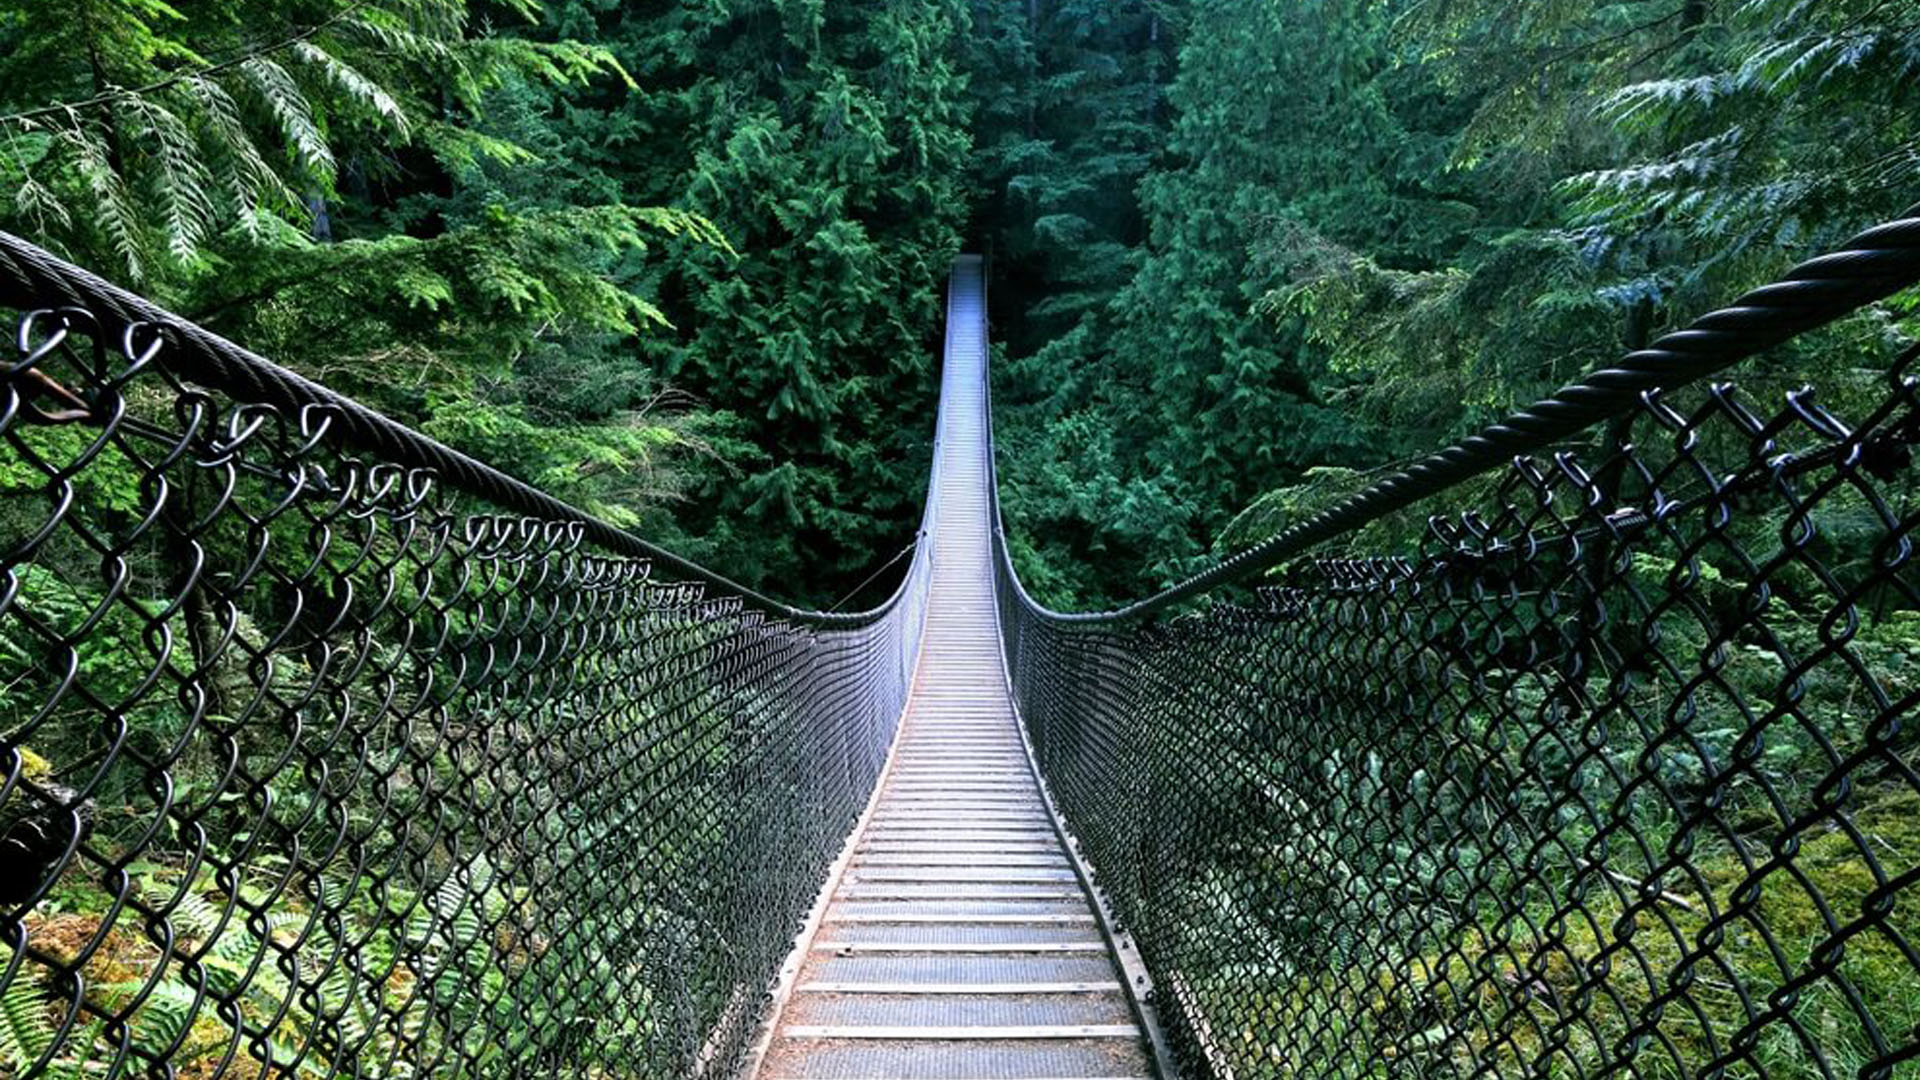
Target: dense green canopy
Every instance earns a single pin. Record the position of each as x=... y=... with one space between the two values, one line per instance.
x=681 y=261
x=1289 y=242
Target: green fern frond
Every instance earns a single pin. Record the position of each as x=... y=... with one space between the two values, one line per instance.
x=28 y=1034
x=194 y=916
x=358 y=88
x=181 y=181
x=38 y=204
x=294 y=113
x=164 y=1017
x=253 y=186
x=236 y=949
x=92 y=161
x=26 y=1031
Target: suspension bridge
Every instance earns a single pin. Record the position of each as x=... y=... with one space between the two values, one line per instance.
x=960 y=937
x=393 y=765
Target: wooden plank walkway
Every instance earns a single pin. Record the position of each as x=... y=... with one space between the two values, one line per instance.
x=959 y=943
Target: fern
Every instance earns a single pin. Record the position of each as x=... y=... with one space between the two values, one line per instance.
x=29 y=1037
x=290 y=108
x=357 y=87
x=253 y=186
x=112 y=205
x=181 y=180
x=26 y=1031
x=166 y=1013
x=194 y=916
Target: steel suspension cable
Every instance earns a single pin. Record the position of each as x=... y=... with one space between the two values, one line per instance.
x=1871 y=266
x=30 y=276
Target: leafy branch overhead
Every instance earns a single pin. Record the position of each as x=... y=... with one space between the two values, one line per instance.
x=187 y=122
x=370 y=191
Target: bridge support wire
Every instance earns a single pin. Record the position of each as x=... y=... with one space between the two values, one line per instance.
x=1553 y=754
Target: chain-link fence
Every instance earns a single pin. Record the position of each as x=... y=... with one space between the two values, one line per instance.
x=329 y=752
x=1606 y=763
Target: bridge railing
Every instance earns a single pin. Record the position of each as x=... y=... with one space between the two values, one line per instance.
x=325 y=750
x=1587 y=747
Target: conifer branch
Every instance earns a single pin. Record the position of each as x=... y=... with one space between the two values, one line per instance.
x=121 y=93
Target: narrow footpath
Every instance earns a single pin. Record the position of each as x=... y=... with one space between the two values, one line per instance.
x=959 y=943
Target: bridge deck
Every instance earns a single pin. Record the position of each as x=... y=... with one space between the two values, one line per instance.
x=959 y=943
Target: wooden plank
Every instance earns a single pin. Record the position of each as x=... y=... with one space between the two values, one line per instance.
x=960 y=947
x=960 y=989
x=945 y=1034
x=911 y=917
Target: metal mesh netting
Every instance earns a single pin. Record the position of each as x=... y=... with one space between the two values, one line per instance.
x=1613 y=772
x=315 y=765
x=330 y=752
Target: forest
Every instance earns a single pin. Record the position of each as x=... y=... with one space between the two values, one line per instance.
x=680 y=263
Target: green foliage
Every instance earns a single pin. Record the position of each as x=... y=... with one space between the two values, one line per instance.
x=484 y=988
x=1442 y=352
x=1265 y=238
x=150 y=146
x=361 y=190
x=1277 y=115
x=27 y=1031
x=1280 y=509
x=680 y=264
x=829 y=143
x=1786 y=124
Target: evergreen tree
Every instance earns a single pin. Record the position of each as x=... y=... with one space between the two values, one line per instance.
x=351 y=186
x=829 y=144
x=1285 y=121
